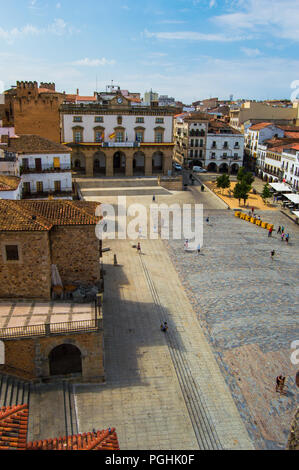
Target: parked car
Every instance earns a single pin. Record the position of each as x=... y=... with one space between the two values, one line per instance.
x=177 y=167
x=198 y=169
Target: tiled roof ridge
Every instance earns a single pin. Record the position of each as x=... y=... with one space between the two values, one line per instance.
x=82 y=209
x=23 y=212
x=13 y=427
x=98 y=440
x=6 y=411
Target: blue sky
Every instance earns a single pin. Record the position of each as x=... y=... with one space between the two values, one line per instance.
x=189 y=49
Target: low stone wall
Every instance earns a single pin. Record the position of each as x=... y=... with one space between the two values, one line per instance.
x=171 y=183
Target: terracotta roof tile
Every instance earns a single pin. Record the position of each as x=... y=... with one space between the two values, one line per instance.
x=260 y=125
x=34 y=144
x=98 y=440
x=9 y=183
x=32 y=215
x=13 y=427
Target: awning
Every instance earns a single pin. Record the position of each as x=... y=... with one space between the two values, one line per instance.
x=296 y=213
x=293 y=197
x=281 y=187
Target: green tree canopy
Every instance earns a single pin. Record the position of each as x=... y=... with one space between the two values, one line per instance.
x=241 y=191
x=245 y=176
x=223 y=181
x=266 y=194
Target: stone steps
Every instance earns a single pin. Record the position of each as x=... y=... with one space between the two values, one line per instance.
x=13 y=391
x=146 y=191
x=117 y=182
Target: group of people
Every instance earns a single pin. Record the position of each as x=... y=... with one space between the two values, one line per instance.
x=284 y=236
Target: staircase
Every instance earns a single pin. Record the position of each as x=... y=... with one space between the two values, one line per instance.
x=120 y=187
x=14 y=391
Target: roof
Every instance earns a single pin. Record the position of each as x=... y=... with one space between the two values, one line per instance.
x=36 y=215
x=13 y=427
x=9 y=183
x=98 y=440
x=292 y=135
x=260 y=125
x=34 y=144
x=218 y=127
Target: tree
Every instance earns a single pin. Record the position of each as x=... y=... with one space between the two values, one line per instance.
x=266 y=194
x=223 y=181
x=245 y=176
x=241 y=191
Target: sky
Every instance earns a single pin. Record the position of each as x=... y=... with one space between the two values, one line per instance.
x=188 y=49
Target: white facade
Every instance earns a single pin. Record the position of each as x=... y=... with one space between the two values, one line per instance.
x=16 y=194
x=224 y=151
x=48 y=175
x=290 y=167
x=255 y=137
x=110 y=122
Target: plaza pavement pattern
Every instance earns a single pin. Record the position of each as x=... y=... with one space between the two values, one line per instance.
x=247 y=305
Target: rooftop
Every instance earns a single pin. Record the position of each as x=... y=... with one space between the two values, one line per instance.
x=9 y=183
x=33 y=144
x=260 y=125
x=13 y=427
x=35 y=215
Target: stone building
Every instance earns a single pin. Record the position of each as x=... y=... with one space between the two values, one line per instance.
x=34 y=109
x=118 y=135
x=34 y=235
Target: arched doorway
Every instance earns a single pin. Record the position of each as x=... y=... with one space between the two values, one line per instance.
x=99 y=162
x=65 y=359
x=234 y=169
x=119 y=162
x=138 y=163
x=197 y=163
x=157 y=162
x=223 y=168
x=212 y=167
x=78 y=161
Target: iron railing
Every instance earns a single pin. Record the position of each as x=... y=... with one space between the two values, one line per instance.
x=47 y=329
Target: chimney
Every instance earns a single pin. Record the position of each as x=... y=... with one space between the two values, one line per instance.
x=78 y=91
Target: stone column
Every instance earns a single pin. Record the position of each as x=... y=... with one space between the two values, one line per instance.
x=89 y=165
x=167 y=161
x=148 y=164
x=129 y=164
x=109 y=163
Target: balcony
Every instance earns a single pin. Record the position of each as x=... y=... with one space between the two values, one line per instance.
x=43 y=169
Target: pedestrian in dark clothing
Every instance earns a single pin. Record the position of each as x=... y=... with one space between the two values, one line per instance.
x=280 y=381
x=154 y=198
x=164 y=327
x=282 y=229
x=270 y=232
x=279 y=229
x=138 y=248
x=272 y=254
x=287 y=238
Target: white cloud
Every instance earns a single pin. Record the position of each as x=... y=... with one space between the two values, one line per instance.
x=93 y=62
x=193 y=36
x=251 y=52
x=59 y=27
x=279 y=18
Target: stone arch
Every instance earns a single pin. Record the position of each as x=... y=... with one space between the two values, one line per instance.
x=65 y=359
x=78 y=161
x=99 y=162
x=119 y=162
x=212 y=167
x=234 y=169
x=157 y=161
x=138 y=162
x=197 y=162
x=223 y=168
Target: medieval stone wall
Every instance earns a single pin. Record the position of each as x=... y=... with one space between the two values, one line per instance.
x=75 y=251
x=30 y=276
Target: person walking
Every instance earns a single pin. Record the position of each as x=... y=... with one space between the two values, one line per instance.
x=207 y=220
x=282 y=237
x=280 y=382
x=164 y=327
x=154 y=198
x=186 y=245
x=270 y=232
x=287 y=238
x=138 y=248
x=272 y=254
x=282 y=229
x=279 y=229
x=198 y=248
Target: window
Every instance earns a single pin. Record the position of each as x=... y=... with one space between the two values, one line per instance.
x=39 y=186
x=99 y=119
x=139 y=119
x=98 y=136
x=196 y=142
x=57 y=185
x=26 y=187
x=225 y=145
x=78 y=136
x=139 y=136
x=119 y=136
x=214 y=144
x=201 y=143
x=77 y=119
x=25 y=163
x=192 y=142
x=159 y=120
x=159 y=137
x=12 y=252
x=56 y=162
x=119 y=120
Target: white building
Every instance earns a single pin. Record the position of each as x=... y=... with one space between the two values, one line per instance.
x=118 y=135
x=258 y=134
x=290 y=166
x=44 y=166
x=224 y=148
